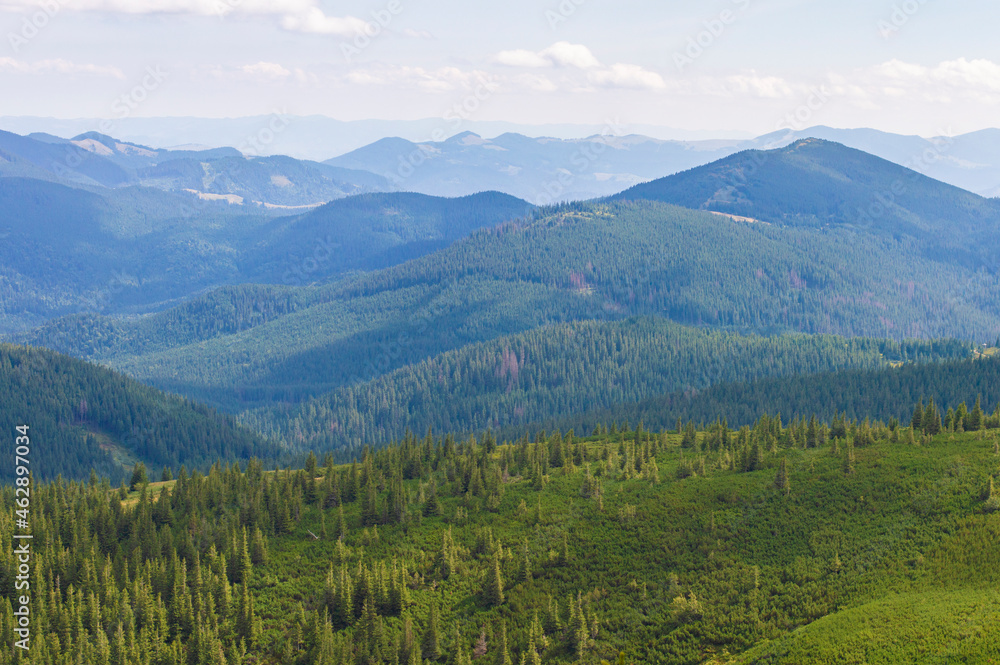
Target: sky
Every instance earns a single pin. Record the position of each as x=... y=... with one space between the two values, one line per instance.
x=907 y=66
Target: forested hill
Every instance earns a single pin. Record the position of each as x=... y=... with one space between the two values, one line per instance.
x=84 y=417
x=818 y=184
x=251 y=347
x=555 y=371
x=69 y=251
x=372 y=231
x=887 y=393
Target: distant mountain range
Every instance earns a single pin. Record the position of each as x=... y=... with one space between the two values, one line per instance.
x=563 y=166
x=317 y=137
x=544 y=170
x=94 y=160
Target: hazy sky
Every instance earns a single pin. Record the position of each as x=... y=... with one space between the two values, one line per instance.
x=911 y=66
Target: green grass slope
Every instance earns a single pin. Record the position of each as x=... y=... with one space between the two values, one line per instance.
x=933 y=627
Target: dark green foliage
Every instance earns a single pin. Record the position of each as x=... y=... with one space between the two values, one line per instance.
x=139 y=476
x=882 y=393
x=569 y=369
x=85 y=417
x=782 y=481
x=493 y=588
x=431 y=644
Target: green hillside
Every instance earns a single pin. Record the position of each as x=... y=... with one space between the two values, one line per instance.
x=937 y=626
x=373 y=231
x=85 y=417
x=560 y=371
x=886 y=393
x=759 y=546
x=600 y=262
x=820 y=184
x=698 y=268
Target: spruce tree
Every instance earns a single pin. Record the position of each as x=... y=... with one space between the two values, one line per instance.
x=917 y=422
x=461 y=656
x=992 y=503
x=578 y=629
x=242 y=562
x=446 y=557
x=781 y=480
x=431 y=507
x=408 y=646
x=369 y=505
x=493 y=591
x=932 y=419
x=525 y=568
x=503 y=649
x=849 y=458
x=139 y=477
x=974 y=422
x=531 y=657
x=431 y=642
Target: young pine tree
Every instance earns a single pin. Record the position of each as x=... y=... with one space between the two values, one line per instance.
x=431 y=643
x=932 y=419
x=992 y=503
x=917 y=422
x=849 y=459
x=493 y=592
x=781 y=480
x=503 y=650
x=139 y=477
x=461 y=655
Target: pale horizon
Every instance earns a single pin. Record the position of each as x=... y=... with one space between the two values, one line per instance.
x=737 y=66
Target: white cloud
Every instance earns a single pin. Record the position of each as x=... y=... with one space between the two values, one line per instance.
x=948 y=82
x=57 y=66
x=560 y=54
x=417 y=34
x=198 y=7
x=627 y=76
x=303 y=77
x=969 y=73
x=772 y=87
x=535 y=82
x=522 y=58
x=304 y=16
x=444 y=79
x=577 y=57
x=314 y=21
x=571 y=55
x=260 y=73
x=266 y=70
